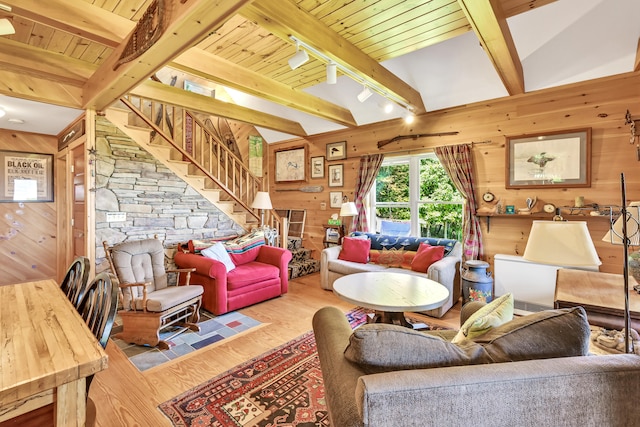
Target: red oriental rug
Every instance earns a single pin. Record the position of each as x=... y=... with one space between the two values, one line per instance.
x=282 y=387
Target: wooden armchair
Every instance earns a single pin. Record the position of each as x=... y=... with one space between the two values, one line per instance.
x=149 y=304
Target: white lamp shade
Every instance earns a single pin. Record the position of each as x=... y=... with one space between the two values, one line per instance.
x=6 y=28
x=348 y=209
x=298 y=59
x=564 y=243
x=614 y=235
x=262 y=201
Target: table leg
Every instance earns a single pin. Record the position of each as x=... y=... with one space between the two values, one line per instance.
x=71 y=404
x=393 y=318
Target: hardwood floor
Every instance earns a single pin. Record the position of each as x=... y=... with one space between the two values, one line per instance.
x=125 y=396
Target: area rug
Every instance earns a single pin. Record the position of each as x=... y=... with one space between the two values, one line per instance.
x=213 y=329
x=282 y=387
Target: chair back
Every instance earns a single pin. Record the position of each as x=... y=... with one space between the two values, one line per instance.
x=76 y=279
x=138 y=261
x=98 y=306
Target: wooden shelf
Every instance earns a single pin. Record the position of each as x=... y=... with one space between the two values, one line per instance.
x=537 y=215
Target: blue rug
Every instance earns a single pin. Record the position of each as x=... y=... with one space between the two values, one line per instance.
x=213 y=329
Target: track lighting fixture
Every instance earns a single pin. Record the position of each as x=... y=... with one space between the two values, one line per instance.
x=365 y=94
x=408 y=117
x=299 y=58
x=332 y=73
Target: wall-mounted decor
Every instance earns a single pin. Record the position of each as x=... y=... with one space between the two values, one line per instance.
x=71 y=133
x=290 y=164
x=553 y=159
x=26 y=177
x=337 y=150
x=255 y=155
x=335 y=199
x=336 y=175
x=317 y=167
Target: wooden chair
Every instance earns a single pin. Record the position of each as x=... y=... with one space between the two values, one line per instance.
x=76 y=279
x=149 y=304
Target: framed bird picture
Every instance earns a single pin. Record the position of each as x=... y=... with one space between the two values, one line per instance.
x=546 y=160
x=290 y=164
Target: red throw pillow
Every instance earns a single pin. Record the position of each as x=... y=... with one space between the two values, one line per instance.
x=355 y=250
x=426 y=256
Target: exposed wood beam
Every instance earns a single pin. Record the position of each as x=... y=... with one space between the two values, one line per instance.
x=34 y=88
x=490 y=25
x=189 y=23
x=79 y=18
x=42 y=63
x=229 y=74
x=205 y=104
x=283 y=18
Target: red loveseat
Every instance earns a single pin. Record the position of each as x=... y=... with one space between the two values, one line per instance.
x=260 y=274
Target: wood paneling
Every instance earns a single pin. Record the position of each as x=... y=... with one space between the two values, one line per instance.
x=28 y=230
x=599 y=104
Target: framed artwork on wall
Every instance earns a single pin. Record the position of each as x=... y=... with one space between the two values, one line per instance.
x=26 y=177
x=290 y=165
x=317 y=167
x=337 y=150
x=336 y=175
x=547 y=160
x=335 y=199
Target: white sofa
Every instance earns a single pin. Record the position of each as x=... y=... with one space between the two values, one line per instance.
x=445 y=271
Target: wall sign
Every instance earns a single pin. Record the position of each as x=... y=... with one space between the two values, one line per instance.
x=26 y=177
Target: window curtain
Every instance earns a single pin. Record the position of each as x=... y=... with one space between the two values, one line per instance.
x=369 y=167
x=456 y=160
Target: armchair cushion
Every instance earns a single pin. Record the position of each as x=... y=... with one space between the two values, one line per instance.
x=250 y=273
x=219 y=253
x=168 y=297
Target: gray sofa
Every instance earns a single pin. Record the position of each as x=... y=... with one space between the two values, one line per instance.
x=445 y=271
x=561 y=391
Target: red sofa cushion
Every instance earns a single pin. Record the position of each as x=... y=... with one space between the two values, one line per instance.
x=251 y=273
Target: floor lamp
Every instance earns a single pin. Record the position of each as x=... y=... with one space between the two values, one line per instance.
x=625 y=231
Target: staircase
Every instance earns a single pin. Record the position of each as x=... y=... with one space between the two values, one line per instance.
x=301 y=264
x=178 y=139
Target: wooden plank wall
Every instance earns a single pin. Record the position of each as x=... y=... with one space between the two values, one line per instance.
x=28 y=230
x=599 y=104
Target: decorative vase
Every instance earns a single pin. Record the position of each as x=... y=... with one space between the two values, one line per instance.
x=477 y=283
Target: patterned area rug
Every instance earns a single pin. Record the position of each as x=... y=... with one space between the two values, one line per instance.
x=213 y=329
x=282 y=387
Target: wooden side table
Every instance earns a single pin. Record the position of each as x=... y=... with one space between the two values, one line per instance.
x=337 y=228
x=601 y=295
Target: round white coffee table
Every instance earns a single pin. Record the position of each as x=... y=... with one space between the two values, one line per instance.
x=391 y=294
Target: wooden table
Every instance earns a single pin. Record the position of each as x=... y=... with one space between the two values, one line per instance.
x=601 y=295
x=391 y=294
x=47 y=351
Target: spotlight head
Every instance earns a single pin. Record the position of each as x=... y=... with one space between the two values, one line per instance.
x=298 y=59
x=365 y=94
x=332 y=73
x=409 y=117
x=388 y=108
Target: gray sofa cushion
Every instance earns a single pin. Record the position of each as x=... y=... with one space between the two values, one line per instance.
x=546 y=334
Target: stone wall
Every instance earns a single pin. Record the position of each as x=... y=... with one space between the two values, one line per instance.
x=156 y=201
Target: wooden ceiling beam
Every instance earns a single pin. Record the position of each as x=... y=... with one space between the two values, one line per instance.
x=18 y=84
x=205 y=104
x=229 y=74
x=285 y=19
x=79 y=18
x=41 y=63
x=490 y=25
x=188 y=24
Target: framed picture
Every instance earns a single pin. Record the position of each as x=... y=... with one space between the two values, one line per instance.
x=317 y=167
x=336 y=175
x=335 y=199
x=547 y=160
x=26 y=177
x=290 y=164
x=337 y=150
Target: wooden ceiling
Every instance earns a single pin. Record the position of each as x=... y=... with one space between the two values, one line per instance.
x=65 y=52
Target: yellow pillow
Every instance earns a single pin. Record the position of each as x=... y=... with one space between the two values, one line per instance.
x=496 y=313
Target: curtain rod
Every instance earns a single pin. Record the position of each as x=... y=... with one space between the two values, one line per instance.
x=410 y=151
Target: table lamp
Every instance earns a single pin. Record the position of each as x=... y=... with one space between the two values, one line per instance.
x=565 y=243
x=347 y=209
x=262 y=201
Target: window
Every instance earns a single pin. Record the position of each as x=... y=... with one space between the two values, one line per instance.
x=417 y=190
